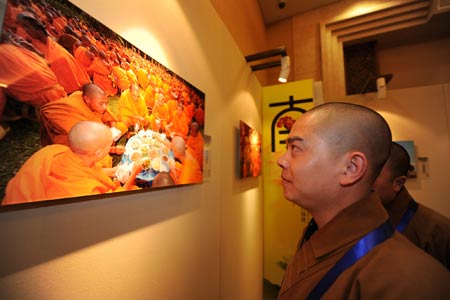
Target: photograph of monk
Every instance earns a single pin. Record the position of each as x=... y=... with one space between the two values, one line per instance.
x=249 y=151
x=84 y=112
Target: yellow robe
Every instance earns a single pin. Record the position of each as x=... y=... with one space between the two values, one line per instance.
x=127 y=108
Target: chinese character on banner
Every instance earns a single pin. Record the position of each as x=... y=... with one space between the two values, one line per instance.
x=283 y=221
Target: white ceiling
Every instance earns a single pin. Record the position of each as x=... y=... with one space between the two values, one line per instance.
x=272 y=13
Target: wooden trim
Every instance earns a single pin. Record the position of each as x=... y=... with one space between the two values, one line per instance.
x=384 y=18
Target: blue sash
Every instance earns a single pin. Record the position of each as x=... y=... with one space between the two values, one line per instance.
x=407 y=216
x=361 y=248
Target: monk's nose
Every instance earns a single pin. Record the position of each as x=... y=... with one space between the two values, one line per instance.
x=282 y=162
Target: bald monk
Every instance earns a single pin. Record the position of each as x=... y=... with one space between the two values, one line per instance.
x=132 y=109
x=423 y=226
x=132 y=76
x=162 y=179
x=88 y=105
x=60 y=171
x=83 y=54
x=142 y=77
x=349 y=250
x=26 y=76
x=189 y=169
x=195 y=142
x=200 y=115
x=160 y=113
x=172 y=105
x=12 y=9
x=179 y=122
x=150 y=95
x=68 y=71
x=101 y=72
x=120 y=77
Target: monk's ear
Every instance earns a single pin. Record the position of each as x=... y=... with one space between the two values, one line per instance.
x=98 y=153
x=355 y=166
x=399 y=182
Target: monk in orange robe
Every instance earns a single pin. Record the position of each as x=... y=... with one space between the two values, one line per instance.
x=190 y=171
x=102 y=74
x=27 y=76
x=132 y=76
x=196 y=143
x=68 y=71
x=160 y=114
x=60 y=116
x=142 y=77
x=68 y=42
x=172 y=104
x=60 y=171
x=59 y=22
x=149 y=95
x=189 y=109
x=132 y=109
x=179 y=124
x=83 y=54
x=12 y=9
x=120 y=78
x=200 y=115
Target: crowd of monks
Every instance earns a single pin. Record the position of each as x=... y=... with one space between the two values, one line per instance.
x=51 y=62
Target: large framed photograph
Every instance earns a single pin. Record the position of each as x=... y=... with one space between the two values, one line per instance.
x=84 y=113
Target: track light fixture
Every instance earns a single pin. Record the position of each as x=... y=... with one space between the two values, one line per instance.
x=284 y=62
x=378 y=83
x=285 y=69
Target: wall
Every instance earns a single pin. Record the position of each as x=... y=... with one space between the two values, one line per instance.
x=416 y=64
x=417 y=106
x=244 y=20
x=421 y=114
x=421 y=77
x=194 y=242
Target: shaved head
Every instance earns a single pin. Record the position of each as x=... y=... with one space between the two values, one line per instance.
x=178 y=146
x=350 y=127
x=92 y=90
x=162 y=179
x=95 y=98
x=89 y=137
x=399 y=161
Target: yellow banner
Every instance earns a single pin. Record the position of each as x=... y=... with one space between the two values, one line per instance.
x=283 y=221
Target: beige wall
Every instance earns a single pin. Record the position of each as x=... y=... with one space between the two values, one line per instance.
x=417 y=106
x=417 y=64
x=418 y=99
x=195 y=242
x=420 y=114
x=245 y=23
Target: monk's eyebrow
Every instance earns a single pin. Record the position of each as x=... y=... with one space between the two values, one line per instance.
x=294 y=139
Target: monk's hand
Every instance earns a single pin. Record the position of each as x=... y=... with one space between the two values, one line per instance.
x=116 y=133
x=137 y=167
x=157 y=137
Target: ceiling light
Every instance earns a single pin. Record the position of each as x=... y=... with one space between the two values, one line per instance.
x=284 y=62
x=285 y=69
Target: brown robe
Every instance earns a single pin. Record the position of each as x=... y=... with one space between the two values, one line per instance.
x=395 y=269
x=427 y=229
